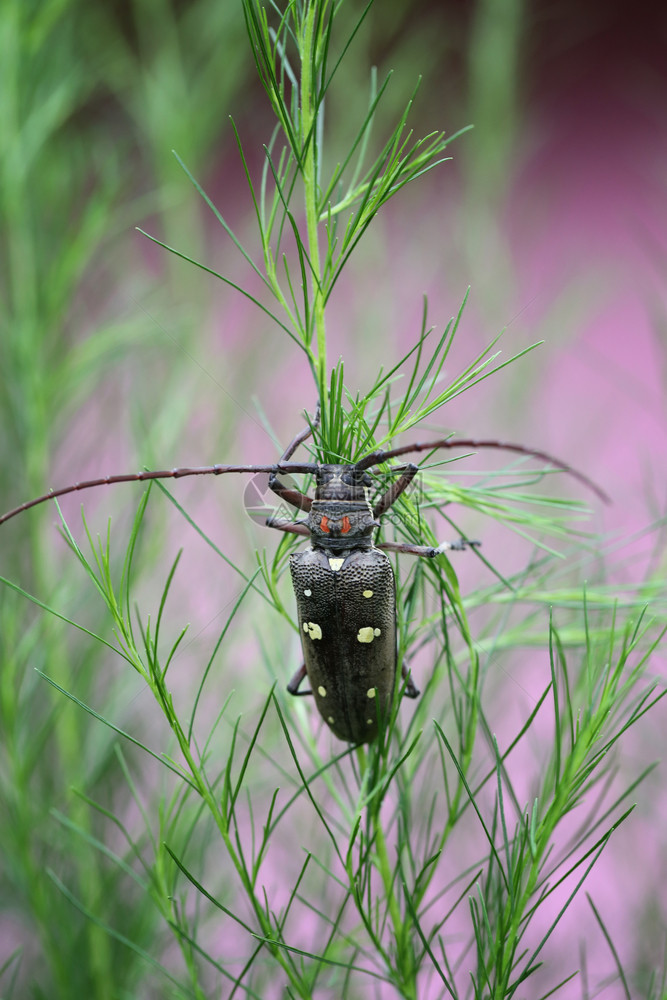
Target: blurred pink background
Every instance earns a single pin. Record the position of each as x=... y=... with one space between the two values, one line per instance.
x=554 y=211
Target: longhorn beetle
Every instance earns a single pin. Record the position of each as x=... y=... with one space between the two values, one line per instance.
x=344 y=584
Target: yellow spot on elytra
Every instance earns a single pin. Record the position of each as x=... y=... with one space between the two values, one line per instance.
x=377 y=631
x=365 y=635
x=370 y=693
x=331 y=720
x=336 y=564
x=322 y=691
x=369 y=722
x=368 y=593
x=313 y=630
x=307 y=593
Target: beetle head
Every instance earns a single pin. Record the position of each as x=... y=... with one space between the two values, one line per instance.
x=341 y=482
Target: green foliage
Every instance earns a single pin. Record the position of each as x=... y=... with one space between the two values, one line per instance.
x=295 y=64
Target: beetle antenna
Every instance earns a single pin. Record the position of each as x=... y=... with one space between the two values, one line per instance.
x=382 y=456
x=135 y=477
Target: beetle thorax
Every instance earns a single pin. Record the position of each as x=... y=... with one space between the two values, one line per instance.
x=338 y=525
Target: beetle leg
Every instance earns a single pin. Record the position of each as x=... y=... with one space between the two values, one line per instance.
x=411 y=689
x=295 y=527
x=427 y=550
x=295 y=683
x=293 y=497
x=395 y=490
x=389 y=498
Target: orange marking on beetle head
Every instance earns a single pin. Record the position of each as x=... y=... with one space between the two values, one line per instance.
x=324 y=525
x=345 y=526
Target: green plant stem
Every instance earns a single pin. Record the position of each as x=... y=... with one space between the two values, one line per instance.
x=468 y=743
x=564 y=790
x=507 y=947
x=402 y=928
x=222 y=822
x=311 y=191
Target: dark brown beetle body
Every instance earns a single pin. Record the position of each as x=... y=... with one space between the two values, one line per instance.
x=346 y=608
x=346 y=597
x=346 y=605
